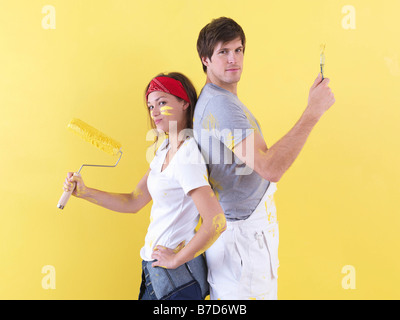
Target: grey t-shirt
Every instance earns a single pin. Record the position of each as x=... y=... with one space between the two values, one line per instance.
x=221 y=121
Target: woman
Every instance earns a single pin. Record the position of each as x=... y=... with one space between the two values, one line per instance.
x=173 y=264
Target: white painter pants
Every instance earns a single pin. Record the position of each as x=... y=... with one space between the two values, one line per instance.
x=243 y=262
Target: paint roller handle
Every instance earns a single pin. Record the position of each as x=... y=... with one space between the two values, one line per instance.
x=66 y=195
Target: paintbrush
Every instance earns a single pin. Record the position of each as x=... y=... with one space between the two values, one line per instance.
x=322 y=60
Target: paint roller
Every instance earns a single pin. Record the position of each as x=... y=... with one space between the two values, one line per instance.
x=97 y=139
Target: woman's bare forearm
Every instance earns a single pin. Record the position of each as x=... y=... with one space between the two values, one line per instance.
x=119 y=202
x=208 y=232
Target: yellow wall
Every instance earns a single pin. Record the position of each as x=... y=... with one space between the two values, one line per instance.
x=338 y=205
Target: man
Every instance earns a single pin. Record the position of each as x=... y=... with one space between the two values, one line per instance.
x=243 y=171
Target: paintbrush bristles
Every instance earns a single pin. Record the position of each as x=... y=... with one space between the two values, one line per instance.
x=94 y=136
x=322 y=55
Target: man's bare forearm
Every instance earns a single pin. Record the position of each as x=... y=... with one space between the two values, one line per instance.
x=279 y=158
x=272 y=163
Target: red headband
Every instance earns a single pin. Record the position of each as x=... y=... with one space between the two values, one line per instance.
x=168 y=85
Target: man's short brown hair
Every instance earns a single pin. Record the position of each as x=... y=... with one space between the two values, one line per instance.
x=218 y=30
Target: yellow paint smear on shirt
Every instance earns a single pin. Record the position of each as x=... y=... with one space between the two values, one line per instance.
x=216 y=186
x=230 y=142
x=253 y=122
x=210 y=123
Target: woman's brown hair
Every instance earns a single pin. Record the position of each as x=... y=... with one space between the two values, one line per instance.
x=191 y=92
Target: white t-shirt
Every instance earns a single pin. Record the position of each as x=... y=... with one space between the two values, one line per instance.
x=174 y=215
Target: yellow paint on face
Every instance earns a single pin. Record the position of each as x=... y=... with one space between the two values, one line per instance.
x=164 y=111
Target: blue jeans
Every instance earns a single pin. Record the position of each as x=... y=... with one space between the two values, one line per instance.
x=146 y=288
x=187 y=282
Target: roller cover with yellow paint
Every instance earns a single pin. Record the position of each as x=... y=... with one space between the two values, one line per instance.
x=96 y=138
